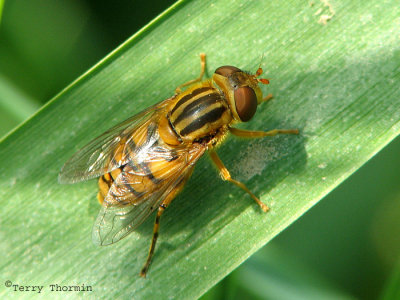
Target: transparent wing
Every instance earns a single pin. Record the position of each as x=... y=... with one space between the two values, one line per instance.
x=114 y=221
x=99 y=156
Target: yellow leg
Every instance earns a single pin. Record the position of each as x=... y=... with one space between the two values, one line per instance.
x=227 y=176
x=267 y=98
x=153 y=241
x=256 y=134
x=156 y=227
x=203 y=69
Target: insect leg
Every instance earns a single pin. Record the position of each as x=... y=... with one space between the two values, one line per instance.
x=257 y=134
x=203 y=69
x=153 y=241
x=227 y=176
x=267 y=98
x=156 y=227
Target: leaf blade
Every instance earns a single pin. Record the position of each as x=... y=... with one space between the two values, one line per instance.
x=339 y=134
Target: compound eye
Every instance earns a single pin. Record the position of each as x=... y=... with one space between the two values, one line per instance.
x=227 y=71
x=246 y=103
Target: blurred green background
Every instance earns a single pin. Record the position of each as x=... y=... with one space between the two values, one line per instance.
x=339 y=249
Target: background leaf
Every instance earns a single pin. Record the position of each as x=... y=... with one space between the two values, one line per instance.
x=336 y=82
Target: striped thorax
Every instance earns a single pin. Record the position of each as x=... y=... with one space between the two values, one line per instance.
x=207 y=108
x=199 y=112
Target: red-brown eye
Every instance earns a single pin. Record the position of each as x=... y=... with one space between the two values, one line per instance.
x=246 y=103
x=227 y=71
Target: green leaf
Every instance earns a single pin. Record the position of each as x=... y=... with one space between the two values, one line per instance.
x=15 y=106
x=392 y=285
x=273 y=274
x=1 y=9
x=337 y=82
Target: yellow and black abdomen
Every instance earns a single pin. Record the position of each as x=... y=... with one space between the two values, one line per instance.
x=199 y=112
x=144 y=164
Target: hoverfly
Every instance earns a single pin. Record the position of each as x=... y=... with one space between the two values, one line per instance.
x=145 y=161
